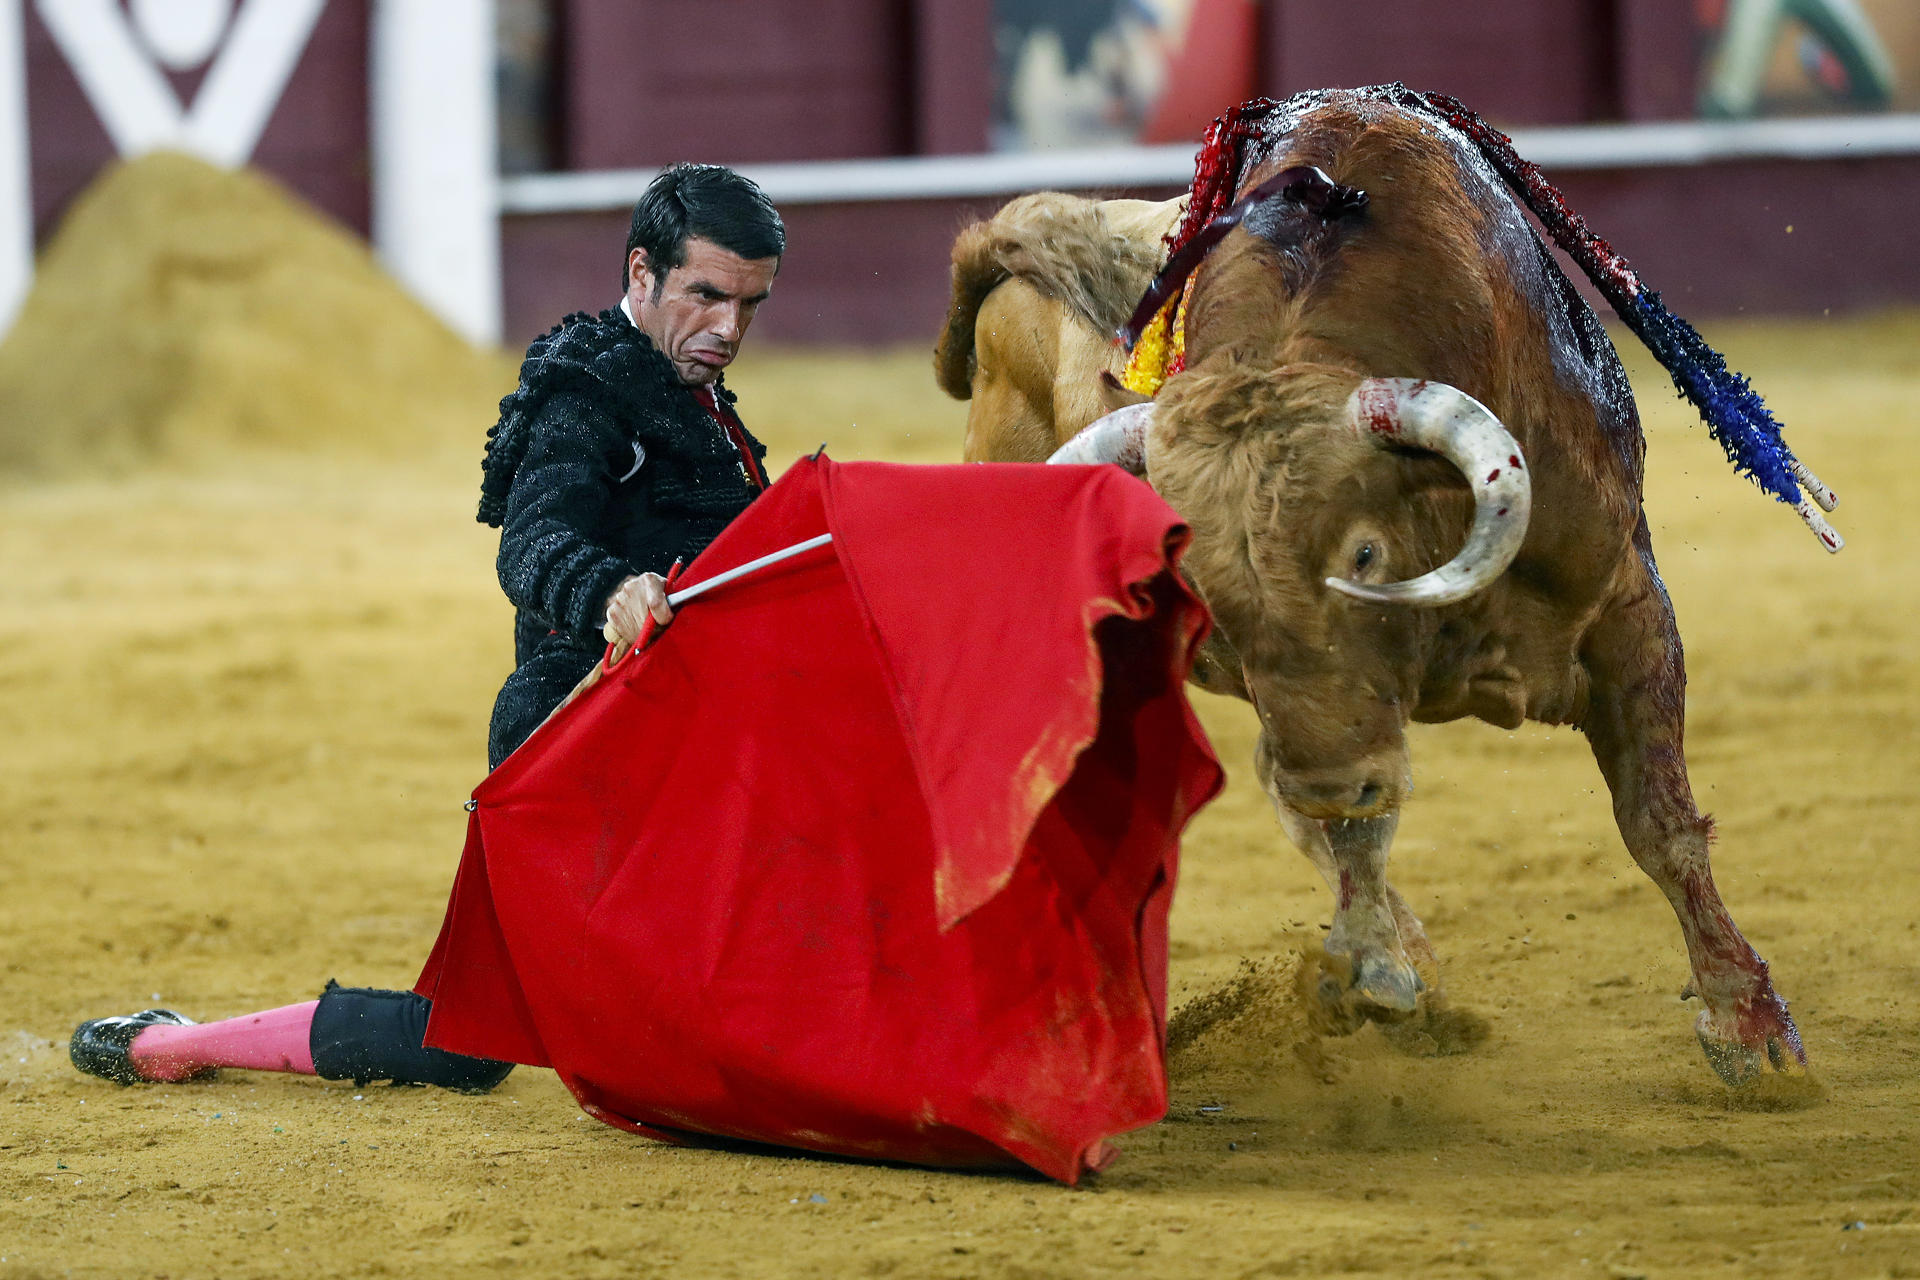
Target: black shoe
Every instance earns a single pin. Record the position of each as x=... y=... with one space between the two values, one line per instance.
x=101 y=1047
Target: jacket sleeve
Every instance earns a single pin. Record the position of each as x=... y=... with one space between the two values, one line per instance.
x=550 y=563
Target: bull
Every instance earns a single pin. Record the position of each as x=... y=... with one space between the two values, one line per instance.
x=1412 y=465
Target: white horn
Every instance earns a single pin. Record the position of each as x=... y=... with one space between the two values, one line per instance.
x=1120 y=438
x=1451 y=423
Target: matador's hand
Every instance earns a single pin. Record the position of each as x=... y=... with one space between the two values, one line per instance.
x=630 y=605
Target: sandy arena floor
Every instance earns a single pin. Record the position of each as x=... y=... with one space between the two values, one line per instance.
x=241 y=706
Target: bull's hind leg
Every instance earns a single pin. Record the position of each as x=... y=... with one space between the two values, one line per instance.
x=1634 y=722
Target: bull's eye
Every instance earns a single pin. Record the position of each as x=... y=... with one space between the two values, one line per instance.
x=1363 y=557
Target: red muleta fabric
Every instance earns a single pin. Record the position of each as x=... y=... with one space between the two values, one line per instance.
x=869 y=853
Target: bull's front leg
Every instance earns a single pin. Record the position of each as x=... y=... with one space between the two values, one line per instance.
x=1391 y=960
x=1635 y=722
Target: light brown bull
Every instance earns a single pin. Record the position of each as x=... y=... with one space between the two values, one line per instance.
x=1037 y=294
x=1330 y=502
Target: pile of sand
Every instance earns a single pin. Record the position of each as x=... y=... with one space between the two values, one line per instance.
x=183 y=311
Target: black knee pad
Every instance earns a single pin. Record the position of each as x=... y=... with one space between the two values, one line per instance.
x=361 y=1034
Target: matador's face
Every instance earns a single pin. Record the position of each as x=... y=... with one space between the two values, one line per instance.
x=699 y=314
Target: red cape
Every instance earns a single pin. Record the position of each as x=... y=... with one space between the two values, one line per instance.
x=870 y=852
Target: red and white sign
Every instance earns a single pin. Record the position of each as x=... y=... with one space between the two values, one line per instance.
x=121 y=57
x=377 y=112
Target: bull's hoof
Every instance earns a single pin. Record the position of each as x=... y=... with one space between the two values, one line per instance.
x=1758 y=1041
x=1386 y=982
x=1369 y=985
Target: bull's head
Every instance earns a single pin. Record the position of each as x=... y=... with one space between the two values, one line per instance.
x=1326 y=510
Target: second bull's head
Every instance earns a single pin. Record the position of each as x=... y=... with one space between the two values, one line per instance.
x=1327 y=512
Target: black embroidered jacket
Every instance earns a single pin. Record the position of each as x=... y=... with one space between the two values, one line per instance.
x=603 y=465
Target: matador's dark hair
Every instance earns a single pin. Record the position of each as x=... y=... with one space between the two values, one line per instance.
x=705 y=200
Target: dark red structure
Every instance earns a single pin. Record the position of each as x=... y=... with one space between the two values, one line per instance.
x=640 y=84
x=632 y=84
x=854 y=78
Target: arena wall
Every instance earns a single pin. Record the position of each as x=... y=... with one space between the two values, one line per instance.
x=1777 y=235
x=627 y=85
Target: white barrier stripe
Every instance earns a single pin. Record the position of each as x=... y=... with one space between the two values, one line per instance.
x=1629 y=146
x=1703 y=142
x=892 y=178
x=16 y=181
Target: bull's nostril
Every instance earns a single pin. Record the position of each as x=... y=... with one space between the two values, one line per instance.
x=1368 y=794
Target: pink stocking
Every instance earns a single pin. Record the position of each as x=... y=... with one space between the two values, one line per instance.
x=275 y=1040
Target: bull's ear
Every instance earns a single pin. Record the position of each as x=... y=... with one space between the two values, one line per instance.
x=1114 y=396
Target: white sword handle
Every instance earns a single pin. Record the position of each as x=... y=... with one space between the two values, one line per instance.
x=677 y=598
